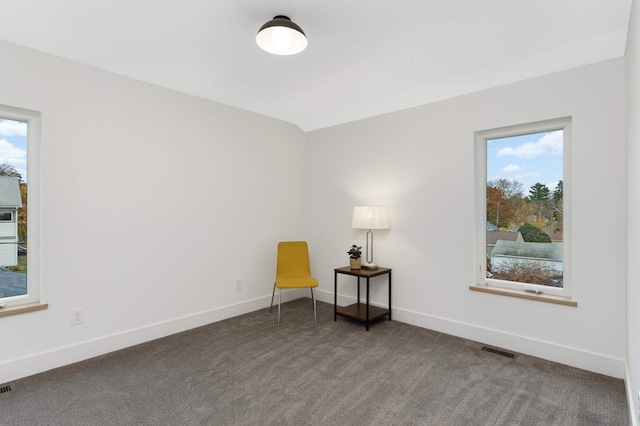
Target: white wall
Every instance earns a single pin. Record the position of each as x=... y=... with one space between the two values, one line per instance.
x=633 y=208
x=420 y=163
x=127 y=161
x=153 y=202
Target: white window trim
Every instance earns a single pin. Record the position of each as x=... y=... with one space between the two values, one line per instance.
x=34 y=234
x=480 y=144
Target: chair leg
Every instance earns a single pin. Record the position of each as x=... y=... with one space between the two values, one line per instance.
x=272 y=294
x=313 y=300
x=315 y=311
x=279 y=303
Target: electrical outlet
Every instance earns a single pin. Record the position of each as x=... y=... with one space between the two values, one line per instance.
x=77 y=316
x=238 y=284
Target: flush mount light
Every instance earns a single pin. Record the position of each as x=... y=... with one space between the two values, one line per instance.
x=281 y=36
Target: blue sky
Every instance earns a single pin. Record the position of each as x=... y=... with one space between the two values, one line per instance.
x=528 y=159
x=13 y=145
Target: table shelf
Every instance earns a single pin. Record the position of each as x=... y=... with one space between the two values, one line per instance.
x=358 y=311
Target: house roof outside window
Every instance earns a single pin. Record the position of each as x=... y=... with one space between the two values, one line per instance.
x=551 y=251
x=494 y=236
x=10 y=192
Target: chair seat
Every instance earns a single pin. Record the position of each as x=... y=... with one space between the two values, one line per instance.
x=296 y=282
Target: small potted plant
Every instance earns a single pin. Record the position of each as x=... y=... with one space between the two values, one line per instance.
x=355 y=252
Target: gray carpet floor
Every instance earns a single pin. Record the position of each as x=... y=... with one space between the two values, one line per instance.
x=245 y=371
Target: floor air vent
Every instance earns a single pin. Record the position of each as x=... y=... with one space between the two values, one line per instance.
x=7 y=387
x=499 y=352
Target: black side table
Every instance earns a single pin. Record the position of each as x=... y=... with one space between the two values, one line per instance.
x=359 y=311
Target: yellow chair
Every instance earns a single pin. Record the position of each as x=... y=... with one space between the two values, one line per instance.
x=293 y=271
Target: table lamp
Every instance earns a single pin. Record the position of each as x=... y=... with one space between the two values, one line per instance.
x=370 y=217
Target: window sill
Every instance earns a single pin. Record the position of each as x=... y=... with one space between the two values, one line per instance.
x=22 y=309
x=523 y=295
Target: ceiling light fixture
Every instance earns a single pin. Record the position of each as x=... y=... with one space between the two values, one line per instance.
x=281 y=36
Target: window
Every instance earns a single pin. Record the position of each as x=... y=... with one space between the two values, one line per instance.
x=19 y=182
x=523 y=218
x=6 y=217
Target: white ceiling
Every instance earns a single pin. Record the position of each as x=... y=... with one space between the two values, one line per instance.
x=364 y=57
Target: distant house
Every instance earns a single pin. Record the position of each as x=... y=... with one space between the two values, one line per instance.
x=10 y=202
x=553 y=232
x=506 y=252
x=494 y=236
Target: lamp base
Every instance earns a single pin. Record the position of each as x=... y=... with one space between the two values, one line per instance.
x=367 y=265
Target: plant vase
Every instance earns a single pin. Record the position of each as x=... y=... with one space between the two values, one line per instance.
x=355 y=263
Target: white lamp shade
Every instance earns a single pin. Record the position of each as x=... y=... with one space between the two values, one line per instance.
x=281 y=36
x=370 y=217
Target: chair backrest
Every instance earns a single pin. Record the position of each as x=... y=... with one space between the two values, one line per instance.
x=293 y=259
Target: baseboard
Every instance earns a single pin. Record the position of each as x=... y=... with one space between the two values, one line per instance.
x=58 y=357
x=590 y=361
x=631 y=399
x=37 y=363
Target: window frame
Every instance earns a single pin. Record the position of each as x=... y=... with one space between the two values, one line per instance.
x=34 y=213
x=480 y=146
